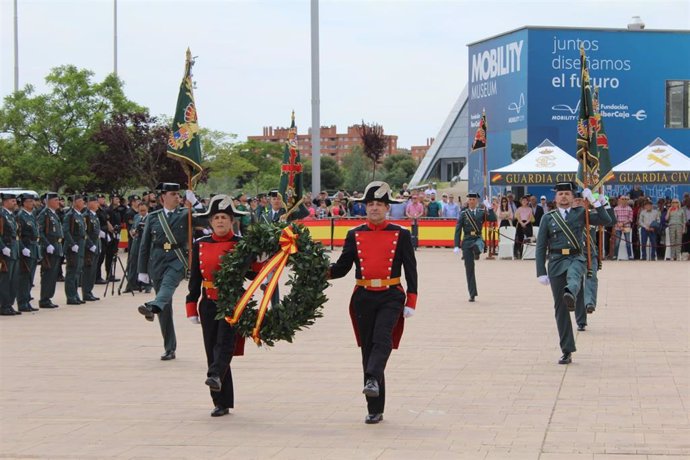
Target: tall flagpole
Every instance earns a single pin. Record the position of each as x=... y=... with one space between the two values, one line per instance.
x=114 y=37
x=16 y=49
x=315 y=102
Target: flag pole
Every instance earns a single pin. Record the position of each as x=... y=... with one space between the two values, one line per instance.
x=587 y=240
x=484 y=155
x=190 y=230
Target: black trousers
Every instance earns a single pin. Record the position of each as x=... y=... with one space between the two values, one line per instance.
x=219 y=342
x=376 y=314
x=520 y=234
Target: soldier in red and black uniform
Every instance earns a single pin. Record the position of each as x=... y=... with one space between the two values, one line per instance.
x=379 y=303
x=220 y=339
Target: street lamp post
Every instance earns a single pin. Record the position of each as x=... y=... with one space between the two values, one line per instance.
x=315 y=102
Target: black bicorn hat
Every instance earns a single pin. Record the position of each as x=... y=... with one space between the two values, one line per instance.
x=473 y=195
x=221 y=203
x=168 y=187
x=564 y=187
x=378 y=191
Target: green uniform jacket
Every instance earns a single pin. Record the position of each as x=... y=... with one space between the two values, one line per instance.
x=50 y=231
x=93 y=230
x=464 y=230
x=153 y=257
x=552 y=237
x=28 y=233
x=8 y=235
x=74 y=229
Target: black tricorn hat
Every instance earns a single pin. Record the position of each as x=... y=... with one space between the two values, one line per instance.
x=221 y=203
x=564 y=187
x=49 y=195
x=90 y=198
x=168 y=187
x=27 y=196
x=473 y=195
x=274 y=193
x=133 y=197
x=378 y=191
x=7 y=195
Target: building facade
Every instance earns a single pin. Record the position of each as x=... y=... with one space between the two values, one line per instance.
x=528 y=83
x=333 y=144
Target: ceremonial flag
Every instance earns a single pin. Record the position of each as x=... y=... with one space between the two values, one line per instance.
x=587 y=127
x=184 y=144
x=480 y=135
x=290 y=188
x=605 y=172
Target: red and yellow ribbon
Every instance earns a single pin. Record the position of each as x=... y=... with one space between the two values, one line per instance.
x=288 y=246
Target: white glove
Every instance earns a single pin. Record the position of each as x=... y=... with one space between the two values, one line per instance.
x=93 y=248
x=143 y=278
x=107 y=238
x=6 y=251
x=544 y=279
x=75 y=248
x=194 y=320
x=26 y=252
x=262 y=258
x=50 y=249
x=101 y=235
x=207 y=231
x=408 y=312
x=487 y=204
x=190 y=196
x=587 y=194
x=456 y=250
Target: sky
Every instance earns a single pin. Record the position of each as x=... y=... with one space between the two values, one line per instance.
x=398 y=63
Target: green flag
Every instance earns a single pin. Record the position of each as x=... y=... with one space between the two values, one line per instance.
x=290 y=188
x=605 y=173
x=184 y=144
x=588 y=169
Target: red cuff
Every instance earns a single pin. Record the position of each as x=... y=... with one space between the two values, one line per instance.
x=257 y=266
x=191 y=309
x=411 y=300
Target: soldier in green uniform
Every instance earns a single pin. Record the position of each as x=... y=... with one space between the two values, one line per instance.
x=561 y=232
x=137 y=226
x=9 y=253
x=29 y=251
x=468 y=230
x=92 y=250
x=51 y=238
x=163 y=259
x=75 y=236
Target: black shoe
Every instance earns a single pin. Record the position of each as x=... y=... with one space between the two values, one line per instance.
x=581 y=327
x=113 y=279
x=168 y=356
x=91 y=298
x=590 y=309
x=16 y=312
x=566 y=358
x=73 y=302
x=372 y=419
x=476 y=252
x=27 y=309
x=147 y=290
x=214 y=383
x=127 y=291
x=371 y=388
x=7 y=311
x=47 y=305
x=471 y=298
x=569 y=300
x=219 y=411
x=146 y=311
x=101 y=281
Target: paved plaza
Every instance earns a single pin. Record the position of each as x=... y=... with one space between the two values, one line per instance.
x=470 y=381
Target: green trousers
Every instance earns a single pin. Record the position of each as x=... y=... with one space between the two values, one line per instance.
x=165 y=289
x=27 y=265
x=49 y=276
x=75 y=266
x=89 y=273
x=8 y=284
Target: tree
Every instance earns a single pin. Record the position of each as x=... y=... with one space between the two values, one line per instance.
x=331 y=174
x=51 y=134
x=374 y=143
x=265 y=159
x=399 y=169
x=357 y=169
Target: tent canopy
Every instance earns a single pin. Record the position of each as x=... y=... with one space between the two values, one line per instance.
x=657 y=163
x=544 y=165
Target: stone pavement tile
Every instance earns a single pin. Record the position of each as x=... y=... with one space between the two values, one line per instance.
x=620 y=457
x=171 y=451
x=57 y=449
x=564 y=456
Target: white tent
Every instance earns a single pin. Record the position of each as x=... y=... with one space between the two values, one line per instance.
x=658 y=163
x=544 y=165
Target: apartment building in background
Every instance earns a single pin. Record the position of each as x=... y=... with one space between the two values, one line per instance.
x=334 y=144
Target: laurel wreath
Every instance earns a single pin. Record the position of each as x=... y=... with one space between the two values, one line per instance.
x=297 y=309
